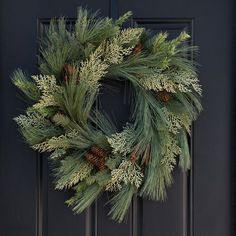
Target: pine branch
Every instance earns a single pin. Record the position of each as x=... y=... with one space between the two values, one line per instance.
x=72 y=170
x=84 y=197
x=26 y=85
x=121 y=203
x=127 y=173
x=35 y=128
x=49 y=89
x=184 y=157
x=121 y=20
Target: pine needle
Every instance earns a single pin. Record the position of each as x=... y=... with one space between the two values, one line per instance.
x=121 y=203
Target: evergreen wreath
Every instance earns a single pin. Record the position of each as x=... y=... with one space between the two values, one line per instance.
x=89 y=155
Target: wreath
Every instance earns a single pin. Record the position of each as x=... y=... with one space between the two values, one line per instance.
x=89 y=154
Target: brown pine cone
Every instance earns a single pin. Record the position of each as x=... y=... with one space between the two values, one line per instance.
x=98 y=151
x=69 y=69
x=133 y=157
x=163 y=95
x=90 y=157
x=95 y=160
x=101 y=164
x=138 y=48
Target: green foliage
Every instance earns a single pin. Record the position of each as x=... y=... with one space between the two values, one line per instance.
x=54 y=60
x=62 y=120
x=113 y=161
x=26 y=85
x=127 y=173
x=161 y=164
x=174 y=81
x=58 y=153
x=123 y=142
x=122 y=19
x=121 y=202
x=184 y=157
x=49 y=89
x=36 y=128
x=90 y=29
x=84 y=196
x=102 y=177
x=60 y=45
x=88 y=153
x=66 y=141
x=76 y=101
x=172 y=53
x=93 y=69
x=72 y=170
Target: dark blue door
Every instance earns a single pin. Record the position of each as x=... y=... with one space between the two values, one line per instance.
x=199 y=203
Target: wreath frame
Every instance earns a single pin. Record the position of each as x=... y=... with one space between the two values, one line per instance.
x=89 y=155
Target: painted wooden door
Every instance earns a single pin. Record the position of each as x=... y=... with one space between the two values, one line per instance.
x=199 y=203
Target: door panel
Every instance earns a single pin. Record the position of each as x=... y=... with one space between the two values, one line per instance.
x=198 y=203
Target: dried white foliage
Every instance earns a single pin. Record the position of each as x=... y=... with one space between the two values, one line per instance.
x=48 y=87
x=122 y=142
x=93 y=69
x=127 y=173
x=69 y=180
x=176 y=121
x=172 y=82
x=62 y=141
x=169 y=151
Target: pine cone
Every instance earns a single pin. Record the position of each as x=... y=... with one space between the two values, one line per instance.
x=101 y=164
x=95 y=160
x=90 y=157
x=133 y=157
x=98 y=151
x=69 y=70
x=164 y=96
x=138 y=48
